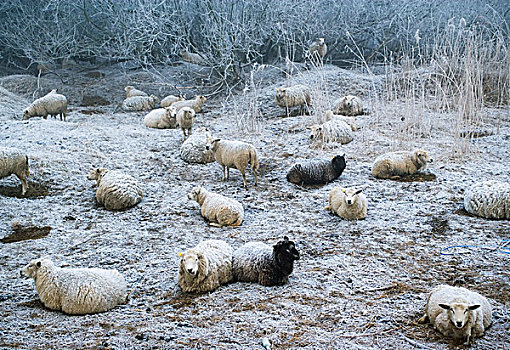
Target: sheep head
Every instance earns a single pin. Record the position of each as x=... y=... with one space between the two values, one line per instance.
x=212 y=145
x=281 y=93
x=171 y=111
x=338 y=163
x=459 y=313
x=95 y=174
x=26 y=113
x=194 y=264
x=285 y=251
x=34 y=266
x=201 y=99
x=421 y=158
x=315 y=132
x=350 y=195
x=197 y=194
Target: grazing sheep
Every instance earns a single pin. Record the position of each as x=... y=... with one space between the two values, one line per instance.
x=400 y=163
x=489 y=199
x=334 y=130
x=293 y=96
x=52 y=103
x=316 y=172
x=115 y=190
x=348 y=203
x=217 y=209
x=14 y=161
x=205 y=267
x=457 y=312
x=76 y=291
x=193 y=149
x=132 y=92
x=257 y=262
x=230 y=154
x=197 y=103
x=192 y=57
x=139 y=103
x=169 y=100
x=161 y=118
x=185 y=119
x=318 y=49
x=348 y=120
x=348 y=105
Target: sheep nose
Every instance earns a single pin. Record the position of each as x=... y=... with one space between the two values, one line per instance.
x=191 y=271
x=431 y=160
x=349 y=202
x=459 y=324
x=21 y=273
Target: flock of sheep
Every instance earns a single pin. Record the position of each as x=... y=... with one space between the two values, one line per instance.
x=455 y=312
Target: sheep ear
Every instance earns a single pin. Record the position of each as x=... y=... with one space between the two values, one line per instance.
x=474 y=307
x=285 y=238
x=445 y=306
x=343 y=190
x=216 y=140
x=358 y=192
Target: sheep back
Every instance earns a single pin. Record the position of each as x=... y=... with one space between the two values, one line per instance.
x=193 y=149
x=139 y=103
x=132 y=92
x=169 y=100
x=52 y=104
x=118 y=191
x=348 y=105
x=334 y=130
x=348 y=120
x=218 y=209
x=315 y=172
x=161 y=118
x=400 y=163
x=14 y=161
x=197 y=103
x=489 y=199
x=297 y=95
x=249 y=260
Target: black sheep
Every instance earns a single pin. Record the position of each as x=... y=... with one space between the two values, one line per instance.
x=316 y=172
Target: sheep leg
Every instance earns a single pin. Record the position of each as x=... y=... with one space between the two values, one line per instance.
x=254 y=173
x=224 y=174
x=24 y=185
x=423 y=319
x=244 y=178
x=228 y=173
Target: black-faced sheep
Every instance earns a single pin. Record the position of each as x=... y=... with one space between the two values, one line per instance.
x=321 y=171
x=205 y=267
x=193 y=149
x=348 y=105
x=197 y=103
x=14 y=161
x=161 y=118
x=217 y=209
x=293 y=96
x=169 y=100
x=139 y=103
x=76 y=291
x=400 y=163
x=348 y=203
x=52 y=104
x=335 y=130
x=115 y=190
x=489 y=199
x=185 y=119
x=132 y=92
x=257 y=262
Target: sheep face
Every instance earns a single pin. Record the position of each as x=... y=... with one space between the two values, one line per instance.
x=26 y=114
x=285 y=251
x=338 y=163
x=128 y=88
x=171 y=111
x=315 y=132
x=31 y=269
x=154 y=98
x=459 y=313
x=281 y=95
x=422 y=157
x=195 y=193
x=212 y=145
x=201 y=98
x=320 y=41
x=95 y=174
x=350 y=195
x=194 y=264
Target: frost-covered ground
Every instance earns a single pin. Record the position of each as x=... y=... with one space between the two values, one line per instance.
x=358 y=285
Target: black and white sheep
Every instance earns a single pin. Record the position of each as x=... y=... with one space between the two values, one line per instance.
x=185 y=119
x=348 y=105
x=321 y=171
x=139 y=103
x=334 y=130
x=14 y=162
x=348 y=203
x=161 y=118
x=217 y=209
x=489 y=199
x=193 y=149
x=293 y=96
x=115 y=190
x=52 y=104
x=400 y=163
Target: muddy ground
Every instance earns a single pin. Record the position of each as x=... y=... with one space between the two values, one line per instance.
x=358 y=285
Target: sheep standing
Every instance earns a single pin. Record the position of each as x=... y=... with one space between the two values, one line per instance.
x=76 y=291
x=348 y=203
x=161 y=118
x=348 y=105
x=400 y=163
x=115 y=190
x=489 y=199
x=185 y=119
x=132 y=92
x=217 y=209
x=335 y=130
x=52 y=103
x=193 y=149
x=14 y=161
x=236 y=154
x=257 y=262
x=348 y=120
x=139 y=103
x=318 y=50
x=457 y=312
x=294 y=96
x=316 y=172
x=169 y=100
x=197 y=103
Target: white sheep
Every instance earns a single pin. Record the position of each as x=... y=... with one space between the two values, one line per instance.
x=349 y=120
x=318 y=49
x=192 y=57
x=193 y=149
x=334 y=130
x=161 y=118
x=205 y=267
x=139 y=103
x=457 y=312
x=293 y=96
x=76 y=291
x=14 y=161
x=348 y=203
x=132 y=92
x=52 y=103
x=348 y=105
x=185 y=119
x=400 y=163
x=234 y=154
x=217 y=209
x=197 y=103
x=115 y=190
x=489 y=199
x=169 y=100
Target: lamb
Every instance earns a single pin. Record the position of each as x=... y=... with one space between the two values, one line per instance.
x=217 y=209
x=348 y=120
x=169 y=100
x=193 y=149
x=315 y=172
x=132 y=92
x=197 y=103
x=318 y=49
x=348 y=203
x=457 y=312
x=115 y=190
x=14 y=161
x=161 y=118
x=139 y=103
x=396 y=164
x=52 y=103
x=293 y=96
x=334 y=130
x=192 y=57
x=76 y=291
x=205 y=267
x=236 y=154
x=489 y=199
x=185 y=119
x=348 y=105
x=257 y=262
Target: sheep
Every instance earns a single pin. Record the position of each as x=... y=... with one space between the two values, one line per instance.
x=489 y=199
x=185 y=119
x=169 y=100
x=205 y=267
x=76 y=291
x=139 y=103
x=318 y=49
x=236 y=154
x=115 y=190
x=217 y=209
x=457 y=312
x=335 y=130
x=192 y=57
x=52 y=103
x=293 y=96
x=197 y=103
x=321 y=171
x=396 y=164
x=193 y=149
x=348 y=203
x=348 y=105
x=161 y=118
x=132 y=92
x=257 y=262
x=14 y=161
x=348 y=120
